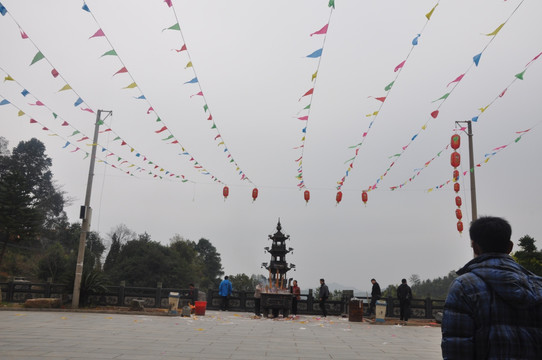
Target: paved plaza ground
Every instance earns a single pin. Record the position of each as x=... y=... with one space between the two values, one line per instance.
x=29 y=335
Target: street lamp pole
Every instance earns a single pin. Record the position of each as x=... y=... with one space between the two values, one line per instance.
x=471 y=168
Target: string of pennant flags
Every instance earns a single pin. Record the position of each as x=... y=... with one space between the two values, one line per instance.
x=164 y=129
x=127 y=166
x=435 y=113
x=83 y=137
x=317 y=54
x=382 y=100
x=87 y=108
x=200 y=94
x=518 y=76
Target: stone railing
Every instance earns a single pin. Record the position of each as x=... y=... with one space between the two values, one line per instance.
x=242 y=301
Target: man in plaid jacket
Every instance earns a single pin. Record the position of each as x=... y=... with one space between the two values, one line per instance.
x=494 y=308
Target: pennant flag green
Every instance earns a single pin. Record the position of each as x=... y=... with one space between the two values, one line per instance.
x=520 y=75
x=37 y=58
x=173 y=27
x=388 y=87
x=110 y=52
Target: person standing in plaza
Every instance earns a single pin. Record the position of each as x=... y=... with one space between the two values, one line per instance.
x=224 y=290
x=323 y=294
x=494 y=308
x=404 y=294
x=257 y=299
x=296 y=295
x=375 y=295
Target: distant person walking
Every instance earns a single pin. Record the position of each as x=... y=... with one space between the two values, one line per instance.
x=323 y=294
x=224 y=290
x=375 y=295
x=257 y=299
x=404 y=294
x=295 y=297
x=494 y=308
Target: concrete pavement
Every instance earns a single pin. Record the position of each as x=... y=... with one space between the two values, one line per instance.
x=29 y=335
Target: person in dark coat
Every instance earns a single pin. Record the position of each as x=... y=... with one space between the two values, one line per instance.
x=404 y=294
x=494 y=308
x=323 y=294
x=375 y=295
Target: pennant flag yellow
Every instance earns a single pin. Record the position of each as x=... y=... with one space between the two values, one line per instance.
x=131 y=86
x=20 y=113
x=188 y=65
x=482 y=109
x=314 y=75
x=65 y=87
x=496 y=31
x=8 y=78
x=430 y=13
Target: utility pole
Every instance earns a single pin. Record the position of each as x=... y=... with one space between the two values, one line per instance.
x=86 y=214
x=471 y=168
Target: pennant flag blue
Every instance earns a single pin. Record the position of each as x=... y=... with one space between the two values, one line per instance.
x=65 y=146
x=414 y=137
x=4 y=102
x=304 y=130
x=476 y=58
x=415 y=40
x=78 y=102
x=25 y=92
x=142 y=97
x=316 y=54
x=475 y=119
x=85 y=7
x=193 y=81
x=3 y=9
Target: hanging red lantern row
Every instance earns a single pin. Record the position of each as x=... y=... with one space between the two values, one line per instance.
x=339 y=197
x=364 y=197
x=455 y=161
x=307 y=196
x=225 y=192
x=254 y=194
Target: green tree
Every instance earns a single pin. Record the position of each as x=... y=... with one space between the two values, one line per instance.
x=529 y=257
x=243 y=282
x=113 y=254
x=54 y=264
x=212 y=264
x=29 y=200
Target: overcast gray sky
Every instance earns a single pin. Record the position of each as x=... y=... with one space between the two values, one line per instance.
x=250 y=58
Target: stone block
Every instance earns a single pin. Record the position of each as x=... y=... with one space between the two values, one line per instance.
x=43 y=303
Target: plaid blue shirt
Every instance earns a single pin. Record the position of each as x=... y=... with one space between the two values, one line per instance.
x=493 y=311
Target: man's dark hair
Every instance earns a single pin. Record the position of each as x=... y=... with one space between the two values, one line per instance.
x=403 y=281
x=492 y=234
x=226 y=277
x=322 y=280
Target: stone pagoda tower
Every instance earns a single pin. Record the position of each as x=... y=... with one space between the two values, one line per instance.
x=278 y=267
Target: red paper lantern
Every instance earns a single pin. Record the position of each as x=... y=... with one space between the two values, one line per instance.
x=455 y=159
x=455 y=175
x=364 y=197
x=458 y=214
x=254 y=194
x=456 y=187
x=460 y=226
x=339 y=197
x=458 y=201
x=225 y=192
x=307 y=196
x=455 y=142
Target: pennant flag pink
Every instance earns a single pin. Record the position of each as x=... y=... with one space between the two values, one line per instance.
x=23 y=34
x=149 y=111
x=97 y=34
x=181 y=49
x=32 y=121
x=434 y=114
x=83 y=138
x=210 y=117
x=503 y=92
x=536 y=57
x=216 y=137
x=307 y=93
x=399 y=66
x=75 y=150
x=381 y=98
x=162 y=129
x=198 y=94
x=168 y=2
x=321 y=31
x=54 y=73
x=456 y=80
x=45 y=128
x=123 y=70
x=87 y=109
x=38 y=103
x=65 y=123
x=306 y=117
